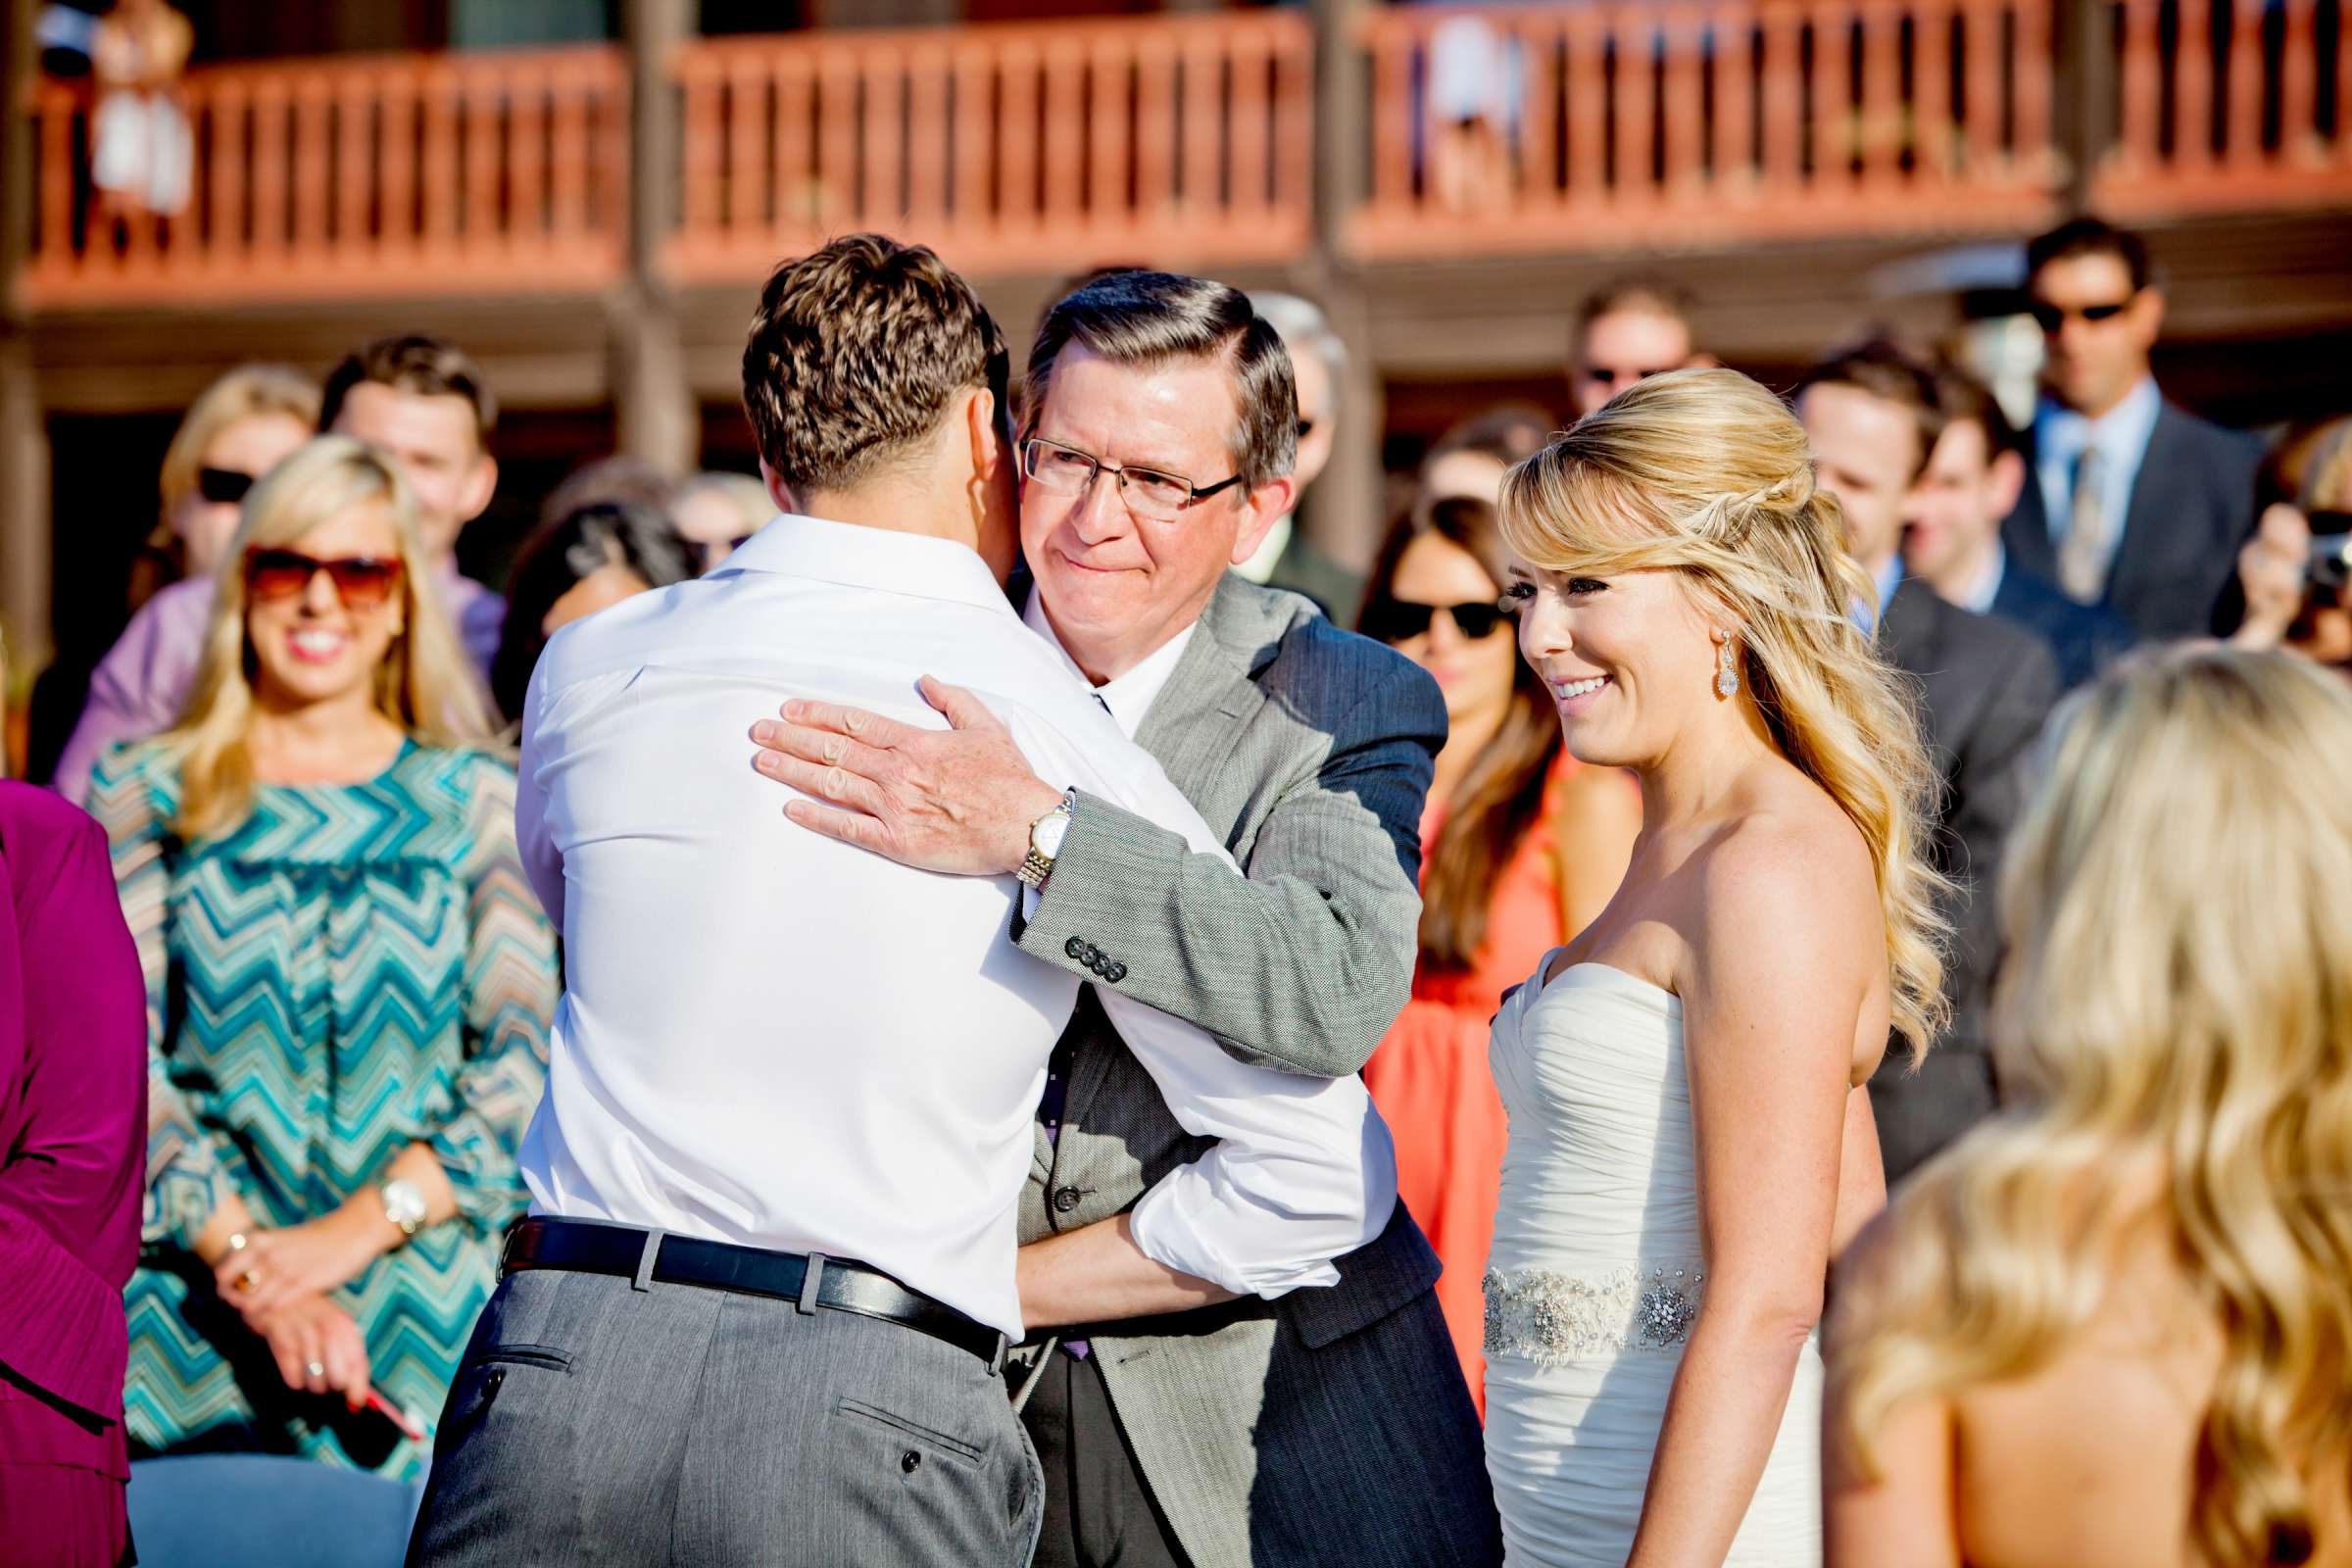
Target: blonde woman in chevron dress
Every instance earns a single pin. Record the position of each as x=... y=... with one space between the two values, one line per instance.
x=349 y=986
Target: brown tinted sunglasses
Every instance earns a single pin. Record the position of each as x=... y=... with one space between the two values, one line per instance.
x=361 y=581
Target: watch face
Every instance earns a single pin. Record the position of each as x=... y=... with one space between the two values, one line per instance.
x=1045 y=838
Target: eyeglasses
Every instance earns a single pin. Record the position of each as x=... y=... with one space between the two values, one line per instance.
x=362 y=583
x=1148 y=491
x=1394 y=620
x=222 y=487
x=1607 y=375
x=2050 y=317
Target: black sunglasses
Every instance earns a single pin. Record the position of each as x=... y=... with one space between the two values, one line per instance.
x=222 y=487
x=1607 y=376
x=1394 y=620
x=2050 y=317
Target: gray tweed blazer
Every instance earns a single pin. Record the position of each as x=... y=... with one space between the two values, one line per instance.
x=1332 y=1425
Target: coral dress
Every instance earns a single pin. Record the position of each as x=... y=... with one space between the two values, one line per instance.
x=1433 y=1086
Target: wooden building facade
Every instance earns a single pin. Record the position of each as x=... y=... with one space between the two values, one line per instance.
x=590 y=217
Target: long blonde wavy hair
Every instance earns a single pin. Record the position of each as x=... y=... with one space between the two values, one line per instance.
x=1706 y=473
x=2179 y=998
x=424 y=685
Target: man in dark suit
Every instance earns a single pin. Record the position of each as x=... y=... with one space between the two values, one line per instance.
x=2133 y=503
x=1331 y=1425
x=1986 y=684
x=1952 y=534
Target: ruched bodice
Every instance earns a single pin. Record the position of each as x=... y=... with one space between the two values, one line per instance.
x=1599 y=1171
x=1596 y=1277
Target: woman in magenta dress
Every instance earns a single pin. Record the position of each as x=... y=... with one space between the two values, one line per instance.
x=73 y=1167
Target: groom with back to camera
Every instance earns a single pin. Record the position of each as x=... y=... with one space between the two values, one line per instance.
x=1331 y=1427
x=760 y=1310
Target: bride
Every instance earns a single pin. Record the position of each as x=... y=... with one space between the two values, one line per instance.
x=1689 y=1143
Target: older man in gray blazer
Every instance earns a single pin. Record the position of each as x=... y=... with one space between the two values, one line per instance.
x=1178 y=1425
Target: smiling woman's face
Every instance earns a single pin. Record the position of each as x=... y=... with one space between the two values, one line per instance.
x=1630 y=659
x=313 y=647
x=1474 y=673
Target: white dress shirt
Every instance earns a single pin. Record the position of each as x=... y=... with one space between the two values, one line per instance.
x=2121 y=434
x=773 y=1038
x=1980 y=594
x=1126 y=698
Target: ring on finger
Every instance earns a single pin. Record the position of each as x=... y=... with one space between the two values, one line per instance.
x=317 y=1369
x=249 y=1280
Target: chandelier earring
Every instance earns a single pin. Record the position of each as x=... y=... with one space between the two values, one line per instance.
x=1727 y=670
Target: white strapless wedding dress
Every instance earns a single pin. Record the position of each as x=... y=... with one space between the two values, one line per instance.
x=1596 y=1276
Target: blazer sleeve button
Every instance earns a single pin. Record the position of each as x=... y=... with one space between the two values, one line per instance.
x=1074 y=948
x=1115 y=973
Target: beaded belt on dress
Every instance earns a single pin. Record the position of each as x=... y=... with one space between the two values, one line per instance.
x=1540 y=1314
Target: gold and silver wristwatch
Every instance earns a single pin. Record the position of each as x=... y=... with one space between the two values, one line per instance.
x=1045 y=841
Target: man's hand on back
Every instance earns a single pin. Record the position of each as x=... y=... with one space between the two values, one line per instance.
x=959 y=801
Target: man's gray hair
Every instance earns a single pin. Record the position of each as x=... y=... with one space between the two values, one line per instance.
x=1304 y=329
x=1149 y=320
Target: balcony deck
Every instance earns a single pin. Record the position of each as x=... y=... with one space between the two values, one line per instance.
x=1691 y=126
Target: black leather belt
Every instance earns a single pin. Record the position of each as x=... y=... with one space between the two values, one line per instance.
x=659 y=1258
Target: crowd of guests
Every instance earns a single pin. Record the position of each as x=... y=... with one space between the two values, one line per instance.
x=304 y=857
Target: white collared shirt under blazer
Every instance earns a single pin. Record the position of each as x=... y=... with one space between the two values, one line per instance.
x=773 y=1038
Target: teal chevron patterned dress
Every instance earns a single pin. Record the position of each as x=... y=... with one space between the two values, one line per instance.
x=353 y=969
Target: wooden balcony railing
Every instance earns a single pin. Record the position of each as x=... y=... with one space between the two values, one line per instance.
x=1685 y=123
x=1016 y=147
x=2230 y=105
x=354 y=175
x=1188 y=141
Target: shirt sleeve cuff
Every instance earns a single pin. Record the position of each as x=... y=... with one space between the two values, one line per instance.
x=1175 y=1224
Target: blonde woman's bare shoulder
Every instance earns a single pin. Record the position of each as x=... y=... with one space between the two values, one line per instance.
x=1794 y=854
x=1783 y=902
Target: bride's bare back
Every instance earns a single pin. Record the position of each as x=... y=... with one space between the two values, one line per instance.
x=2088 y=1462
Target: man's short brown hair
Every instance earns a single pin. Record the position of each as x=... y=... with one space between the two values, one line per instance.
x=1634 y=296
x=1962 y=398
x=2089 y=236
x=855 y=353
x=1892 y=374
x=1147 y=319
x=411 y=362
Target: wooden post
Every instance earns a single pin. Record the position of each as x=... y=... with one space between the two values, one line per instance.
x=653 y=401
x=2086 y=69
x=26 y=541
x=1341 y=513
